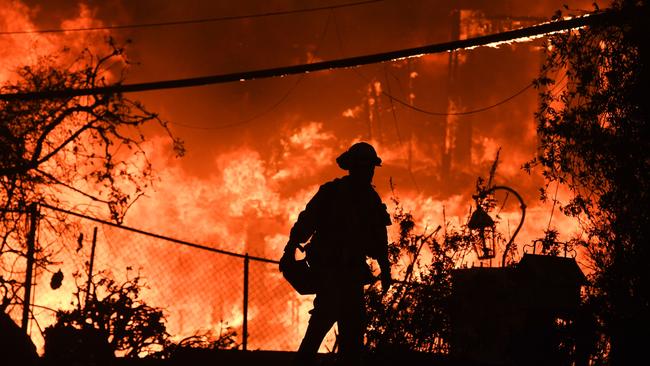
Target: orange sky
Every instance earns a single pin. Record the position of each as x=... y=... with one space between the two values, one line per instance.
x=240 y=188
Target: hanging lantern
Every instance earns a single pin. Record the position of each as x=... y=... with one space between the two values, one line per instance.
x=482 y=224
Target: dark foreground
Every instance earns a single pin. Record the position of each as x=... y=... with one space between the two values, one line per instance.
x=271 y=358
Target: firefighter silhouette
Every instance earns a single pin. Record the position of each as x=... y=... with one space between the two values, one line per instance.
x=345 y=222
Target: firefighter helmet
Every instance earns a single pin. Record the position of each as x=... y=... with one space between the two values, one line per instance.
x=361 y=153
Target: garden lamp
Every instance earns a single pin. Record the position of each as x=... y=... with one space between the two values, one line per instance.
x=483 y=224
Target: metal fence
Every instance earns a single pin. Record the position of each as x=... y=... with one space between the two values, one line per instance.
x=200 y=287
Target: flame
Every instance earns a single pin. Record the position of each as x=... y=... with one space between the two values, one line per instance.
x=252 y=186
x=18 y=50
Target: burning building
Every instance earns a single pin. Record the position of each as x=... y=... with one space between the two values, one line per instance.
x=257 y=150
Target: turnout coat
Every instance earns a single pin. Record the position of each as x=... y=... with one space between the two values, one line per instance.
x=344 y=223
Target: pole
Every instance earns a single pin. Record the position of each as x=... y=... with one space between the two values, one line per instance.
x=31 y=238
x=90 y=267
x=245 y=324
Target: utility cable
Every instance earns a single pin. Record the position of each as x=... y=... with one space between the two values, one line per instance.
x=464 y=113
x=158 y=236
x=393 y=98
x=190 y=21
x=533 y=31
x=284 y=97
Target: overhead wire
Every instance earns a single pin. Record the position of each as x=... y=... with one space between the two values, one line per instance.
x=271 y=107
x=431 y=113
x=393 y=98
x=191 y=21
x=158 y=236
x=464 y=113
x=537 y=30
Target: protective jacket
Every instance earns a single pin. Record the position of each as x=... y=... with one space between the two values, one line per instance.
x=344 y=223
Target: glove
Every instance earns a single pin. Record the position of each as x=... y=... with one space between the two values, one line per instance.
x=291 y=246
x=287 y=257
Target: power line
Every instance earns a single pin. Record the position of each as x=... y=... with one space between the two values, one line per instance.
x=269 y=109
x=158 y=236
x=537 y=30
x=464 y=113
x=191 y=21
x=393 y=98
x=277 y=103
x=170 y=239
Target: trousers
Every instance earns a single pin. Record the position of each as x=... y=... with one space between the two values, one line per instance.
x=340 y=303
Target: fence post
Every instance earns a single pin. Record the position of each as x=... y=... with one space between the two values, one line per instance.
x=245 y=323
x=31 y=238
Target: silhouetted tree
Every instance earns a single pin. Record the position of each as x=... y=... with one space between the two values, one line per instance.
x=68 y=149
x=593 y=138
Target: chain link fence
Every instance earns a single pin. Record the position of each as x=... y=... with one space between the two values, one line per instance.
x=200 y=288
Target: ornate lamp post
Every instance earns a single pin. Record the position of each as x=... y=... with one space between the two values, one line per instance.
x=484 y=226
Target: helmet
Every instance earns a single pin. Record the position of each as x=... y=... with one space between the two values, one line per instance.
x=361 y=153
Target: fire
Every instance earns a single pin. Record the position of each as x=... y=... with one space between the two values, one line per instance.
x=25 y=49
x=253 y=184
x=19 y=49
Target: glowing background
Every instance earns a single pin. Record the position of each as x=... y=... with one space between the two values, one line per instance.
x=258 y=150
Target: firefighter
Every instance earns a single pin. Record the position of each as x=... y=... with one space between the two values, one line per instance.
x=345 y=222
